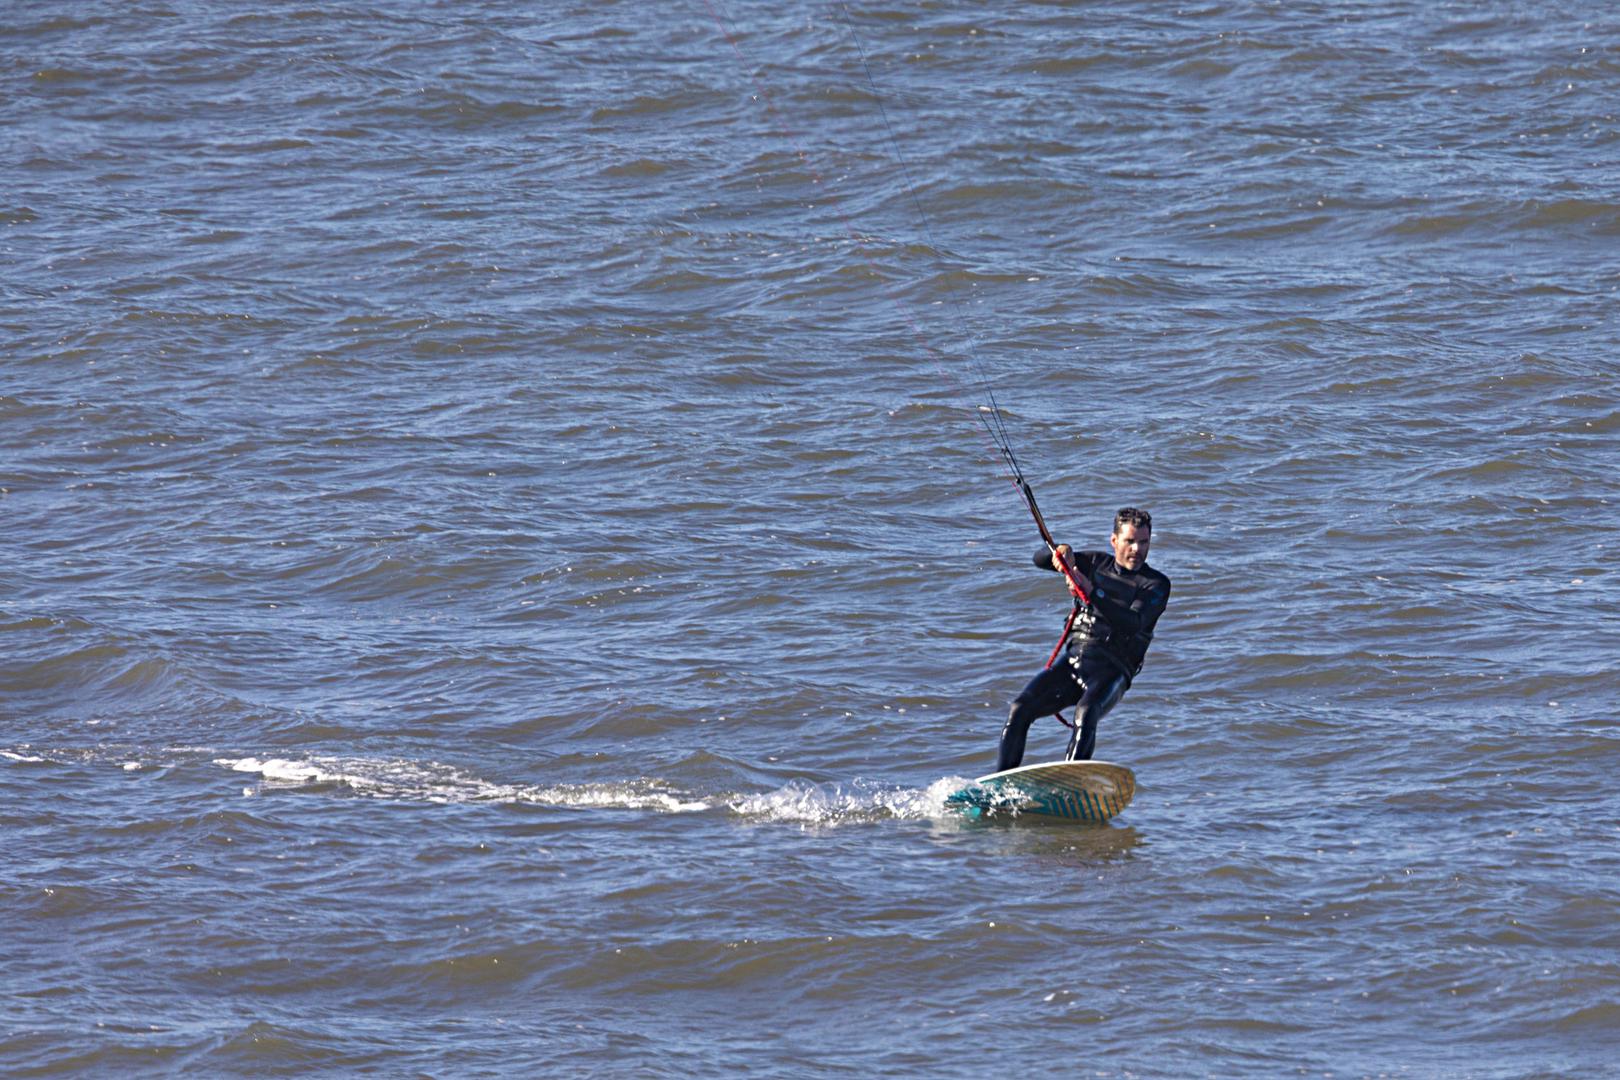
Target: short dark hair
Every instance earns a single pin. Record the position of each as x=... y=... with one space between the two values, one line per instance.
x=1130 y=515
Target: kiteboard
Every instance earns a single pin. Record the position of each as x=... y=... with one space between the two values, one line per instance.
x=1075 y=790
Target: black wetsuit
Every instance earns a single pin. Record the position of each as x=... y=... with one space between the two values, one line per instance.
x=1103 y=653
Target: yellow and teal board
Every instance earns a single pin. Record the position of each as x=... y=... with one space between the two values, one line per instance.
x=1076 y=790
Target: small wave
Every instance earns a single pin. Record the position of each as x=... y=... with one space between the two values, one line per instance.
x=433 y=782
x=861 y=801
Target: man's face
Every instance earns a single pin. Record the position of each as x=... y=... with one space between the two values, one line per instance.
x=1131 y=546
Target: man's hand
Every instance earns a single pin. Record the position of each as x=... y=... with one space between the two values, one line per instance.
x=1063 y=553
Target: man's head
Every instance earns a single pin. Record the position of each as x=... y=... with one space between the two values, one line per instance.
x=1133 y=530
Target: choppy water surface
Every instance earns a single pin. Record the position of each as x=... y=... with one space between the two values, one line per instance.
x=501 y=567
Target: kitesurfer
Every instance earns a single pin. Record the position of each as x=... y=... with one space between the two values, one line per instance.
x=1107 y=639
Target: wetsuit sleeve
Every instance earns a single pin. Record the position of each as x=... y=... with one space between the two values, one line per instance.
x=1084 y=561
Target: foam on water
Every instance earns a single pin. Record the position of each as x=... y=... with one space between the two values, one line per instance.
x=432 y=781
x=836 y=804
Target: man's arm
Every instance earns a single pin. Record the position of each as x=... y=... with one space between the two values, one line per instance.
x=1048 y=560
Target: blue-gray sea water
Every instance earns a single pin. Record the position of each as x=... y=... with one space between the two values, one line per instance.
x=501 y=559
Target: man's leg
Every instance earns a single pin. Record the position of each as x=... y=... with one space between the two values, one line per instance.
x=1102 y=683
x=1051 y=690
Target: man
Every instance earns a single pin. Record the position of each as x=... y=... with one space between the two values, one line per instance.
x=1105 y=644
